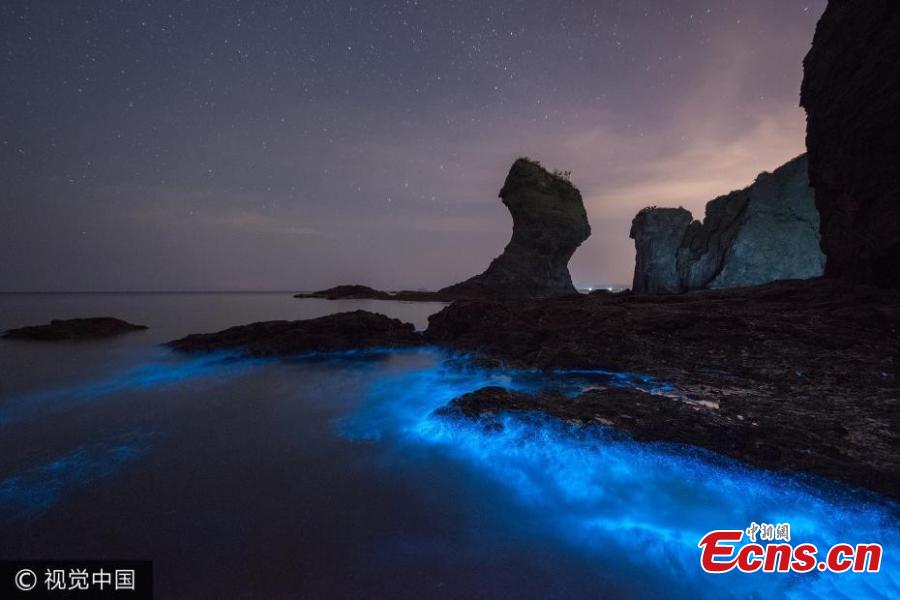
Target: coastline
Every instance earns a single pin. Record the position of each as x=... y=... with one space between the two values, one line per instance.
x=794 y=376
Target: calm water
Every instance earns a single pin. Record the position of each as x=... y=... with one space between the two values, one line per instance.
x=331 y=476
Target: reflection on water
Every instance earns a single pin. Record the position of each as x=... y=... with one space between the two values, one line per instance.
x=331 y=475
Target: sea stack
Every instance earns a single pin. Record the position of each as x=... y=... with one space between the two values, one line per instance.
x=851 y=92
x=766 y=232
x=658 y=234
x=549 y=223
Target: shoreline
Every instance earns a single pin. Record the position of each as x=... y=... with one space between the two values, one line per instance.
x=791 y=376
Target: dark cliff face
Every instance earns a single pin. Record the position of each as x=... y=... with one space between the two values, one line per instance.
x=766 y=232
x=851 y=92
x=549 y=223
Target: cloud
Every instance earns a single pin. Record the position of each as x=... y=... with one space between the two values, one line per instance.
x=704 y=167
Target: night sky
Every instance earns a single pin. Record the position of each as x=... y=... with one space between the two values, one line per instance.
x=294 y=145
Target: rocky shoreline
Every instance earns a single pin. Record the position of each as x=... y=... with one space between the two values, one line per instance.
x=794 y=376
x=791 y=376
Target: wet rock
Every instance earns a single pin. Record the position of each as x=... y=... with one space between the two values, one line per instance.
x=766 y=232
x=74 y=329
x=549 y=223
x=851 y=92
x=332 y=333
x=754 y=434
x=599 y=406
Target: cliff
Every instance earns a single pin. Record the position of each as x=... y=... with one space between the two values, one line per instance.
x=763 y=233
x=851 y=92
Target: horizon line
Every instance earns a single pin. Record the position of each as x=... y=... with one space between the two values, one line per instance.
x=23 y=292
x=214 y=291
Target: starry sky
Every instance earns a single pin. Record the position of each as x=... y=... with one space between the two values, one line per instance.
x=295 y=145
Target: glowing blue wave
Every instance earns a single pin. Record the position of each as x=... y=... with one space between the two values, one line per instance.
x=167 y=370
x=639 y=508
x=35 y=490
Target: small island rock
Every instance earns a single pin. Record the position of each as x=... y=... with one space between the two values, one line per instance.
x=356 y=330
x=73 y=329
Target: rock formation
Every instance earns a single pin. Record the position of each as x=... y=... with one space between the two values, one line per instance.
x=851 y=92
x=658 y=234
x=549 y=223
x=74 y=329
x=766 y=232
x=332 y=333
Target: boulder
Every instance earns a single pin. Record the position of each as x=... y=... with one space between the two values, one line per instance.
x=763 y=233
x=851 y=92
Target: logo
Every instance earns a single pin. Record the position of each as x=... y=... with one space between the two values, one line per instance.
x=721 y=552
x=68 y=578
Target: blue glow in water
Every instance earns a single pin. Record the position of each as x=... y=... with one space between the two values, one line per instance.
x=36 y=490
x=141 y=377
x=640 y=508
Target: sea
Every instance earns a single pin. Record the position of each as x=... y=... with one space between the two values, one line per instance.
x=335 y=475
